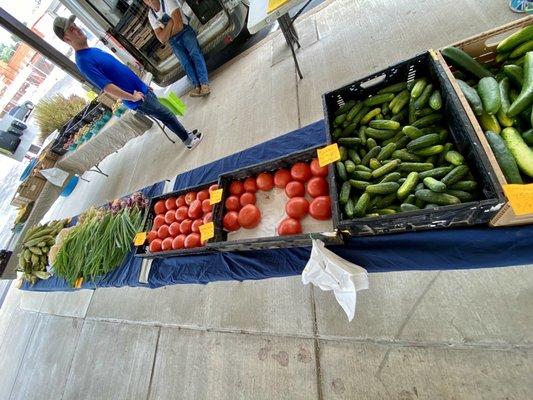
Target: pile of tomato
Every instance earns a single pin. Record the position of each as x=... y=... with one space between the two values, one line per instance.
x=178 y=219
x=302 y=178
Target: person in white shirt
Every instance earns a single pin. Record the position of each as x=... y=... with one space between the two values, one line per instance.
x=171 y=25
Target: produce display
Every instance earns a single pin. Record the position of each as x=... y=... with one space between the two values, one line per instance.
x=501 y=97
x=306 y=191
x=100 y=240
x=177 y=221
x=33 y=258
x=87 y=131
x=396 y=153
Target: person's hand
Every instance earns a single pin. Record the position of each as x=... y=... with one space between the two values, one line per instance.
x=137 y=96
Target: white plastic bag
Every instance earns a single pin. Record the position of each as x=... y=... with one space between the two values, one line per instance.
x=328 y=271
x=55 y=176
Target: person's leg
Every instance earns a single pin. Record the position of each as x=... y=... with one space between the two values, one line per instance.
x=183 y=56
x=190 y=42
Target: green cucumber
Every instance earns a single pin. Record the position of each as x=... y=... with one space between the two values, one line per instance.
x=410 y=199
x=435 y=100
x=374 y=164
x=408 y=186
x=385 y=169
x=344 y=153
x=460 y=59
x=401 y=101
x=349 y=165
x=400 y=116
x=525 y=98
x=415 y=166
x=471 y=97
x=422 y=100
x=519 y=149
x=418 y=88
x=371 y=143
x=382 y=188
x=467 y=186
x=430 y=151
x=465 y=197
x=412 y=131
x=514 y=40
x=349 y=142
x=341 y=171
x=370 y=115
x=394 y=88
x=385 y=110
x=354 y=156
x=432 y=159
x=393 y=139
x=528 y=137
x=404 y=155
x=362 y=134
x=354 y=111
x=363 y=168
x=504 y=97
x=489 y=123
x=489 y=92
x=522 y=49
x=339 y=120
x=441 y=199
x=361 y=175
x=412 y=111
x=348 y=131
x=337 y=133
x=386 y=151
x=359 y=116
x=428 y=120
x=386 y=211
x=433 y=184
x=380 y=134
x=385 y=124
x=378 y=99
x=423 y=141
x=349 y=209
x=454 y=157
x=424 y=112
x=455 y=175
x=344 y=193
x=438 y=172
x=391 y=177
x=345 y=108
x=515 y=74
x=372 y=153
x=400 y=144
x=406 y=207
x=359 y=184
x=361 y=204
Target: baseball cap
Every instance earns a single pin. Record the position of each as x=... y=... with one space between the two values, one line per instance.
x=61 y=25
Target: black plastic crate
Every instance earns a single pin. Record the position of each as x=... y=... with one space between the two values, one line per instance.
x=275 y=242
x=462 y=135
x=141 y=251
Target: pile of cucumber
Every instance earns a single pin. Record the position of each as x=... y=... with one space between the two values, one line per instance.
x=396 y=154
x=501 y=97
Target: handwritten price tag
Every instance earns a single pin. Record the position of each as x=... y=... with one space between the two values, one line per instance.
x=207 y=231
x=520 y=197
x=139 y=238
x=215 y=196
x=328 y=154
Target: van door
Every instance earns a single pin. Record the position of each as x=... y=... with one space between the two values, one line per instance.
x=126 y=21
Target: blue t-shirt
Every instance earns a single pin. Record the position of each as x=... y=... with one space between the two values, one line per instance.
x=101 y=69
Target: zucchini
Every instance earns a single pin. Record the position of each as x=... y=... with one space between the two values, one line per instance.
x=465 y=197
x=519 y=149
x=422 y=100
x=385 y=169
x=382 y=188
x=415 y=166
x=401 y=101
x=489 y=92
x=489 y=123
x=525 y=98
x=349 y=142
x=404 y=155
x=394 y=88
x=354 y=111
x=361 y=185
x=370 y=115
x=386 y=151
x=345 y=108
x=341 y=171
x=438 y=172
x=428 y=120
x=460 y=59
x=435 y=100
x=380 y=134
x=517 y=38
x=504 y=120
x=361 y=204
x=372 y=153
x=454 y=157
x=378 y=99
x=515 y=74
x=528 y=137
x=423 y=141
x=405 y=207
x=412 y=131
x=434 y=185
x=418 y=88
x=471 y=97
x=467 y=186
x=455 y=175
x=441 y=199
x=385 y=124
x=408 y=186
x=349 y=209
x=522 y=49
x=374 y=164
x=349 y=165
x=344 y=193
x=430 y=151
x=391 y=177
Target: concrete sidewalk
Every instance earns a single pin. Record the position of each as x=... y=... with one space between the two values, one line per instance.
x=416 y=335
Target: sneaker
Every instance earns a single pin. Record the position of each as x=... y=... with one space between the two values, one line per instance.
x=195 y=141
x=195 y=133
x=204 y=90
x=518 y=6
x=195 y=92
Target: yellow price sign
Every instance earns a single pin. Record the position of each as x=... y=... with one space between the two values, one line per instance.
x=520 y=197
x=207 y=231
x=139 y=238
x=328 y=154
x=215 y=196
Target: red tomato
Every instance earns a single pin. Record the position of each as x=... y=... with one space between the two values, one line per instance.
x=178 y=242
x=289 y=226
x=174 y=229
x=185 y=226
x=190 y=197
x=213 y=187
x=250 y=185
x=317 y=170
x=247 y=198
x=155 y=246
x=320 y=208
x=236 y=188
x=162 y=232
x=317 y=186
x=159 y=221
x=196 y=225
x=170 y=203
x=192 y=240
x=206 y=206
x=208 y=217
x=166 y=244
x=170 y=217
x=264 y=181
x=281 y=178
x=297 y=207
x=195 y=209
x=180 y=201
x=159 y=207
x=202 y=195
x=301 y=172
x=231 y=221
x=151 y=236
x=182 y=213
x=249 y=216
x=233 y=204
x=295 y=189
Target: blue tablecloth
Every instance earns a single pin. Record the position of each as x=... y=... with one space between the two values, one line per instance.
x=462 y=248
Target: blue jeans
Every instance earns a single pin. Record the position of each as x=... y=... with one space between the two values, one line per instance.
x=186 y=48
x=153 y=108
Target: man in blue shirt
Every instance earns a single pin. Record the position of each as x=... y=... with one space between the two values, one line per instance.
x=110 y=75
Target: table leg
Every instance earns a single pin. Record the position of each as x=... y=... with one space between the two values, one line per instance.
x=287 y=29
x=98 y=171
x=162 y=127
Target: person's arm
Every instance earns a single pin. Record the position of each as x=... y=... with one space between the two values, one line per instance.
x=117 y=92
x=178 y=21
x=163 y=34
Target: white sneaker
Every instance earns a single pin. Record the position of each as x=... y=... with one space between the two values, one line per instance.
x=195 y=141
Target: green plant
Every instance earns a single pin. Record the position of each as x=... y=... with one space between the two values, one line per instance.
x=53 y=112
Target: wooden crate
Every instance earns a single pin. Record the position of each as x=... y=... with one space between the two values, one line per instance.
x=32 y=187
x=483 y=48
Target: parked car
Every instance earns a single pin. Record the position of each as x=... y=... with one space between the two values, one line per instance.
x=23 y=111
x=124 y=28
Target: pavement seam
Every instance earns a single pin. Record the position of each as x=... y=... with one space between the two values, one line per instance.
x=153 y=364
x=318 y=368
x=82 y=320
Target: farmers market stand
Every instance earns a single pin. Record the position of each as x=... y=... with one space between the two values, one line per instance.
x=459 y=248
